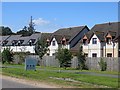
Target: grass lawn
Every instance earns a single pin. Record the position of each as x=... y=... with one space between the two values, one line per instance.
x=55 y=68
x=76 y=80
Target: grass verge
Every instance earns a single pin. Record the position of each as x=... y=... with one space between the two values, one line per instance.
x=77 y=80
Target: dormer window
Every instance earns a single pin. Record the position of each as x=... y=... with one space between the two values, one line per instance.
x=4 y=43
x=85 y=42
x=19 y=43
x=31 y=42
x=53 y=43
x=63 y=41
x=48 y=42
x=94 y=41
x=13 y=43
x=108 y=40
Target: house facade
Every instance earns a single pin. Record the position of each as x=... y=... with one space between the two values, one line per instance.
x=18 y=43
x=66 y=38
x=100 y=41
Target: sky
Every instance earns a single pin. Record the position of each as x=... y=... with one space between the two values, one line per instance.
x=51 y=16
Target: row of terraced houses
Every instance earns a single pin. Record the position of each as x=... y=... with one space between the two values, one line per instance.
x=101 y=41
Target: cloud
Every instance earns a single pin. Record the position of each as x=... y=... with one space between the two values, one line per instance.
x=41 y=22
x=55 y=19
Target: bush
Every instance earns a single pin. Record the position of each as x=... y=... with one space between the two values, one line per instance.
x=103 y=65
x=81 y=60
x=7 y=56
x=64 y=56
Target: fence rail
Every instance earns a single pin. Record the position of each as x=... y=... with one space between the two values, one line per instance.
x=92 y=63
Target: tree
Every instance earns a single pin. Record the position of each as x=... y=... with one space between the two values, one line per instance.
x=7 y=56
x=81 y=59
x=5 y=31
x=103 y=65
x=27 y=31
x=31 y=27
x=41 y=48
x=22 y=56
x=64 y=56
x=23 y=31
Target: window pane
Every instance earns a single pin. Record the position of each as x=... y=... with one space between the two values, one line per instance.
x=109 y=54
x=94 y=40
x=94 y=55
x=53 y=43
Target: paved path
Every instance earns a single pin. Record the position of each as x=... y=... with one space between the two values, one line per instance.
x=72 y=71
x=98 y=74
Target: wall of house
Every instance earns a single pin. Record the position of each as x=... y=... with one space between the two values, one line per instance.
x=52 y=48
x=78 y=37
x=30 y=49
x=108 y=48
x=94 y=48
x=85 y=48
x=66 y=46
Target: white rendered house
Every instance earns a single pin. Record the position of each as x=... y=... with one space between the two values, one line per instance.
x=100 y=42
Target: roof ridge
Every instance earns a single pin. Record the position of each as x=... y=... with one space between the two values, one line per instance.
x=106 y=23
x=72 y=27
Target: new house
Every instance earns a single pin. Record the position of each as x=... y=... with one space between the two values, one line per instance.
x=101 y=40
x=18 y=43
x=66 y=38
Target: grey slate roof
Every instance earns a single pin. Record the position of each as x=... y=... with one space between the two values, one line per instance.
x=3 y=38
x=69 y=32
x=35 y=36
x=45 y=36
x=13 y=37
x=101 y=30
x=26 y=39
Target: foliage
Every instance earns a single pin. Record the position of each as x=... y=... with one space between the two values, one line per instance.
x=64 y=56
x=41 y=48
x=103 y=64
x=24 y=31
x=7 y=56
x=21 y=56
x=81 y=59
x=5 y=31
x=0 y=57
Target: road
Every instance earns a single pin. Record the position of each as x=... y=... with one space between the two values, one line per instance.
x=13 y=84
x=10 y=82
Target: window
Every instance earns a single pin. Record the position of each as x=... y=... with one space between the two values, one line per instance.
x=31 y=42
x=4 y=43
x=13 y=43
x=108 y=40
x=19 y=43
x=53 y=54
x=86 y=54
x=94 y=41
x=94 y=55
x=109 y=54
x=85 y=41
x=53 y=43
x=63 y=42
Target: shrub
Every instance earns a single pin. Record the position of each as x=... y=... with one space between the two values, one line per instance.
x=81 y=60
x=103 y=64
x=64 y=56
x=7 y=56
